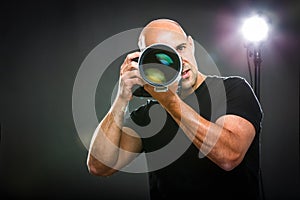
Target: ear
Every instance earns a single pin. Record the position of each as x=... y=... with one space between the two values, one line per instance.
x=191 y=42
x=141 y=42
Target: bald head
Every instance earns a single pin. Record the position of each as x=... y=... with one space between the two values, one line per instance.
x=159 y=27
x=165 y=24
x=169 y=32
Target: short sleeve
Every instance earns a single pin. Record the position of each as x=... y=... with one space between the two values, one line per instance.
x=242 y=101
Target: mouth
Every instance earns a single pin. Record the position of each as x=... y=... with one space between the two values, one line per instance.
x=185 y=74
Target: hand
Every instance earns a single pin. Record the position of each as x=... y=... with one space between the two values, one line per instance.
x=129 y=76
x=163 y=97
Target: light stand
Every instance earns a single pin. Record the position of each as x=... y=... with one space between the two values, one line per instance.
x=257 y=61
x=255 y=30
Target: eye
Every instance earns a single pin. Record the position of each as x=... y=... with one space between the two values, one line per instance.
x=181 y=47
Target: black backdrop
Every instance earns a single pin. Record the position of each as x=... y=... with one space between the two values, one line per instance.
x=43 y=44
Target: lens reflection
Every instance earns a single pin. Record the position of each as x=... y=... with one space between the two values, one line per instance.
x=155 y=75
x=164 y=59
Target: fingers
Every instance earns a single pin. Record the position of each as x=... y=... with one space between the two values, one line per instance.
x=127 y=81
x=129 y=64
x=174 y=87
x=131 y=74
x=133 y=81
x=131 y=56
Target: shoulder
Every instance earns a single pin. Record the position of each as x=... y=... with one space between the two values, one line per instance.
x=235 y=80
x=225 y=79
x=238 y=85
x=228 y=83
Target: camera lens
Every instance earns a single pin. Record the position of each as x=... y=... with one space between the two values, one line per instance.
x=160 y=65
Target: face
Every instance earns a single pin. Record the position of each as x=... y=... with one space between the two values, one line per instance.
x=184 y=46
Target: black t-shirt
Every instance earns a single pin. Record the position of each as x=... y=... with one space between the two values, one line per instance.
x=190 y=173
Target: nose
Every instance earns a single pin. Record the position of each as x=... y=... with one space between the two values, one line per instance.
x=184 y=62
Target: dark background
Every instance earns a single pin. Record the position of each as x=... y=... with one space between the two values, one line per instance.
x=43 y=44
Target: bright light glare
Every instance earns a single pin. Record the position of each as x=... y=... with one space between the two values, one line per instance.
x=255 y=29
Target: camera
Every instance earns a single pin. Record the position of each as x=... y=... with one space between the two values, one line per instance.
x=160 y=66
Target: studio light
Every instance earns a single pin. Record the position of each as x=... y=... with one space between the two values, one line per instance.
x=255 y=29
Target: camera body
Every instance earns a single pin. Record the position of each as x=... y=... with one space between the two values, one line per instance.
x=160 y=66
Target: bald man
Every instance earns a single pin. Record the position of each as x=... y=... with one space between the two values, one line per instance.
x=227 y=140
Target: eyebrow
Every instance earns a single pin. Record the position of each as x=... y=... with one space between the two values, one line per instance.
x=184 y=43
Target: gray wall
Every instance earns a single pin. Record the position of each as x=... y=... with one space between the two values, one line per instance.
x=43 y=44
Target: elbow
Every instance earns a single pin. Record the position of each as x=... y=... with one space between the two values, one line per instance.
x=228 y=166
x=231 y=162
x=96 y=172
x=98 y=169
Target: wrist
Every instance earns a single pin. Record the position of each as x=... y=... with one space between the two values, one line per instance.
x=119 y=106
x=171 y=100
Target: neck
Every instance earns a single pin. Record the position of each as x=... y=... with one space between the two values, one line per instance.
x=200 y=79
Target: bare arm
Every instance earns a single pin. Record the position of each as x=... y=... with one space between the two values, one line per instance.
x=225 y=142
x=114 y=146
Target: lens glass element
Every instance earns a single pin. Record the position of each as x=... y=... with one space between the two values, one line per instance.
x=160 y=65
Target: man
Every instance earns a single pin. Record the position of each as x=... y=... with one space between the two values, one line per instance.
x=228 y=140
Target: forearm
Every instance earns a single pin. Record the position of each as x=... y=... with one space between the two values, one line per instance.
x=213 y=140
x=106 y=139
x=113 y=146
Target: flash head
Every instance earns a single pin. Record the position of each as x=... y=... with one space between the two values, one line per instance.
x=160 y=65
